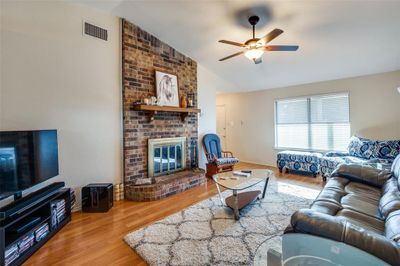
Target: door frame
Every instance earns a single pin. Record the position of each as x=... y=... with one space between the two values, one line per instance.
x=226 y=130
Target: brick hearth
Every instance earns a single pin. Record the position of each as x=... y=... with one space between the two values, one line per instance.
x=166 y=185
x=142 y=54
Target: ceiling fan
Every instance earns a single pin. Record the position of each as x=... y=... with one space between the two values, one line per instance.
x=255 y=47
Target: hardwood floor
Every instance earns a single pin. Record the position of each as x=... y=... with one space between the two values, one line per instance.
x=97 y=238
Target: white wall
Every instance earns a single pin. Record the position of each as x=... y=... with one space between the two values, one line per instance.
x=374 y=113
x=207 y=86
x=53 y=77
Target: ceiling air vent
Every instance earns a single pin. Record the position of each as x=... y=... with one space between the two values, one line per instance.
x=94 y=31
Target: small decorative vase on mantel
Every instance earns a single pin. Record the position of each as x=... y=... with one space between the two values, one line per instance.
x=183 y=101
x=190 y=99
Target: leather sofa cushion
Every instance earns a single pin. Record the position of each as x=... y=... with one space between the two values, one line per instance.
x=364 y=191
x=326 y=207
x=339 y=193
x=361 y=204
x=337 y=183
x=331 y=195
x=392 y=226
x=365 y=221
x=367 y=173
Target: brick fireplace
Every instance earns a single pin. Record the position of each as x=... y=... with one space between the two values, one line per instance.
x=142 y=54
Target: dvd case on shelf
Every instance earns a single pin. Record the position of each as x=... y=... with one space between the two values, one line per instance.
x=11 y=254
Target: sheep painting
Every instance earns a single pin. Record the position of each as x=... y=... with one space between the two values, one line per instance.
x=167 y=89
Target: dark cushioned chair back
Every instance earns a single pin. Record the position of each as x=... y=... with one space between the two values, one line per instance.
x=212 y=144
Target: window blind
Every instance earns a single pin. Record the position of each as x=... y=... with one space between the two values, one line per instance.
x=319 y=122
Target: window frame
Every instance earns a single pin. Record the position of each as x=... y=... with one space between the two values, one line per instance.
x=308 y=98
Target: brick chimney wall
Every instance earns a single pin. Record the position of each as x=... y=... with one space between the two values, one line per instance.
x=142 y=54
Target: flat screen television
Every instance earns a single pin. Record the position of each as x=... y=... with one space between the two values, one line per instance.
x=27 y=158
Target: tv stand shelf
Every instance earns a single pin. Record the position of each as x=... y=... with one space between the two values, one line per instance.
x=152 y=110
x=32 y=215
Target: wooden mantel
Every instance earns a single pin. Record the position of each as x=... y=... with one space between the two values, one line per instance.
x=151 y=110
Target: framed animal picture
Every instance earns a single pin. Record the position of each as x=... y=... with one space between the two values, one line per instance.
x=167 y=89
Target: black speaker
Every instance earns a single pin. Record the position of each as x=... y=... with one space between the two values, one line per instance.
x=97 y=197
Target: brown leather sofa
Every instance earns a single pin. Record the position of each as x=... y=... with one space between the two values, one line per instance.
x=359 y=206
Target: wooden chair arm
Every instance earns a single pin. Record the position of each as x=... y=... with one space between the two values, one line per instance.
x=225 y=153
x=210 y=157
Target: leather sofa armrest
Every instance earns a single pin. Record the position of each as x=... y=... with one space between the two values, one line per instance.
x=319 y=224
x=308 y=221
x=289 y=229
x=363 y=173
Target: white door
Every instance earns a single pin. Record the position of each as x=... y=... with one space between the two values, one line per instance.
x=221 y=125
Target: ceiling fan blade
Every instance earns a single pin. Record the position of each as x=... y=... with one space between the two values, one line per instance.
x=270 y=36
x=232 y=55
x=258 y=61
x=232 y=43
x=289 y=48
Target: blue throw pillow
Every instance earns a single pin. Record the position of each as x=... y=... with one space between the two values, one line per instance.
x=363 y=148
x=387 y=149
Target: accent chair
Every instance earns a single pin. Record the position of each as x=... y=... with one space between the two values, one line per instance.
x=218 y=160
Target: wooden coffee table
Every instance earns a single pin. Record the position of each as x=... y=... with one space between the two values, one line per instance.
x=240 y=200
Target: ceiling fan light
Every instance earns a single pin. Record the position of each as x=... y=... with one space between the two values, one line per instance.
x=254 y=54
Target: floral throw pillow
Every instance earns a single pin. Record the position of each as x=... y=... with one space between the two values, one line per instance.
x=363 y=148
x=387 y=149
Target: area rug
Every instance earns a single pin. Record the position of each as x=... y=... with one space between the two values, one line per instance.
x=207 y=233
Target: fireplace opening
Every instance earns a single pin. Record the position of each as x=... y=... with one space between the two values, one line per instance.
x=166 y=155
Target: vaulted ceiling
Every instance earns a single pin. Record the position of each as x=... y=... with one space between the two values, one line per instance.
x=337 y=39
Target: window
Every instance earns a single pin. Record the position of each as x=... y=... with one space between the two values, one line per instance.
x=319 y=122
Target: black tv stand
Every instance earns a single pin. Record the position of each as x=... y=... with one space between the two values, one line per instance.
x=27 y=217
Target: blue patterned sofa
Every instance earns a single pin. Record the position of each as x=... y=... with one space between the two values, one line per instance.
x=299 y=161
x=361 y=150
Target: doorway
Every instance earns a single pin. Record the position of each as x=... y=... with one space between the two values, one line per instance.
x=221 y=125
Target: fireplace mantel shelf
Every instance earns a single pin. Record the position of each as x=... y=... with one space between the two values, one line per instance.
x=151 y=110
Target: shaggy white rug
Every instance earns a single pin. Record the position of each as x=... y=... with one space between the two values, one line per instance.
x=207 y=233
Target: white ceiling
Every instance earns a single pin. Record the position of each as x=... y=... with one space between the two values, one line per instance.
x=337 y=39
